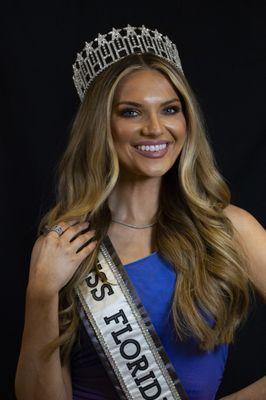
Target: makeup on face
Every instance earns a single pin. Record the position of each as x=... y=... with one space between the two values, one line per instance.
x=147 y=117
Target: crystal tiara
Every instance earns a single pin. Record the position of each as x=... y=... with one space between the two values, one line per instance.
x=107 y=49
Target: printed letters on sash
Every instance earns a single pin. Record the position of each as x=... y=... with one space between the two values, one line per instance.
x=123 y=335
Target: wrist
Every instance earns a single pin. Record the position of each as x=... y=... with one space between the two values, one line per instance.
x=36 y=292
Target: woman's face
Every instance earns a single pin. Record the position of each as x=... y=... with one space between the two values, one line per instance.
x=147 y=111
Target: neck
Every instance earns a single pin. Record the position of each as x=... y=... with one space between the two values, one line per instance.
x=135 y=202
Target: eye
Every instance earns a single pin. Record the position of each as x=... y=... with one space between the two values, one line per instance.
x=128 y=112
x=174 y=109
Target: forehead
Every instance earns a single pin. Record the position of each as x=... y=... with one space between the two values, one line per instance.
x=139 y=84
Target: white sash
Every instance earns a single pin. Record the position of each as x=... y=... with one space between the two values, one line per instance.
x=123 y=335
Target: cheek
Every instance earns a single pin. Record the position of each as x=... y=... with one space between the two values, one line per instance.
x=122 y=132
x=183 y=131
x=182 y=128
x=179 y=129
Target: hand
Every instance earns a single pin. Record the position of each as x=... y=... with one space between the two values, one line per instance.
x=54 y=258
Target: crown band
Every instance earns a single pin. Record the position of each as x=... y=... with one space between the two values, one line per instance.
x=107 y=49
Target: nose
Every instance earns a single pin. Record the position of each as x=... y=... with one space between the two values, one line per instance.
x=152 y=125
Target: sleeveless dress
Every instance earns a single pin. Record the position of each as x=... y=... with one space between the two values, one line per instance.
x=200 y=372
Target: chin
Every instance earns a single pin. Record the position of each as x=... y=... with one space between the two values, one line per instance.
x=156 y=173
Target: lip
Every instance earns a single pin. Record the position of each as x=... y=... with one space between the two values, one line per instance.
x=151 y=142
x=153 y=154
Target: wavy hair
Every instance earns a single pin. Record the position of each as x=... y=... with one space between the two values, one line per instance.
x=192 y=231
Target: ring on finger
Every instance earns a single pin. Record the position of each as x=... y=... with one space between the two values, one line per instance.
x=57 y=228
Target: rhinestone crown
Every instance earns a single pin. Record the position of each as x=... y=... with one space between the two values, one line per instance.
x=107 y=49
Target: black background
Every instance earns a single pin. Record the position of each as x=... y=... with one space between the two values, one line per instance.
x=222 y=49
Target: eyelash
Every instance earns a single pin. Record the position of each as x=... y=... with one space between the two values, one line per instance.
x=176 y=108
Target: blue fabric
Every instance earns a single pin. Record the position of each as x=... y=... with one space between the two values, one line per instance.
x=200 y=372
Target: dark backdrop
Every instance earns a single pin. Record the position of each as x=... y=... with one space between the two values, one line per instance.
x=222 y=49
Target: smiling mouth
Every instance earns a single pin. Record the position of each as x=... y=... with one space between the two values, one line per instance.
x=152 y=151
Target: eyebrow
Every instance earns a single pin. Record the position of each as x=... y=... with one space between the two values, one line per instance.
x=133 y=103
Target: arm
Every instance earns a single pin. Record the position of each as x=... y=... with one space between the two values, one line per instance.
x=255 y=391
x=54 y=260
x=33 y=373
x=252 y=236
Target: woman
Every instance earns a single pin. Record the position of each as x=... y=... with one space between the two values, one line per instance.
x=164 y=212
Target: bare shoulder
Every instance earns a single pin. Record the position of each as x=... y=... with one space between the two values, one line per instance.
x=243 y=220
x=252 y=236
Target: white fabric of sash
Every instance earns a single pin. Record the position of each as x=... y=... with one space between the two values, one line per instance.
x=123 y=336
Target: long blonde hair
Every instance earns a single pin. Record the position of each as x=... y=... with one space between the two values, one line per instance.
x=192 y=232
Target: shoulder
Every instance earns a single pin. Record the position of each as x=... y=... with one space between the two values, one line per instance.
x=252 y=236
x=244 y=222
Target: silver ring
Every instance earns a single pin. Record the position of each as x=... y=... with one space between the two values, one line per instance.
x=58 y=229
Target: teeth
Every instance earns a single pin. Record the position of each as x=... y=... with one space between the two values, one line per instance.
x=152 y=148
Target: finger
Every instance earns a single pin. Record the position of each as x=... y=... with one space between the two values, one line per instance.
x=87 y=249
x=65 y=225
x=82 y=240
x=74 y=231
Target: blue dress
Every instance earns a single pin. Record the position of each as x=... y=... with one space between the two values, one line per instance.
x=200 y=372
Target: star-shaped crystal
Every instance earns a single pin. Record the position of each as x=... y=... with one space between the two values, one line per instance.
x=101 y=39
x=115 y=34
x=88 y=47
x=130 y=30
x=167 y=41
x=157 y=34
x=79 y=57
x=144 y=30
